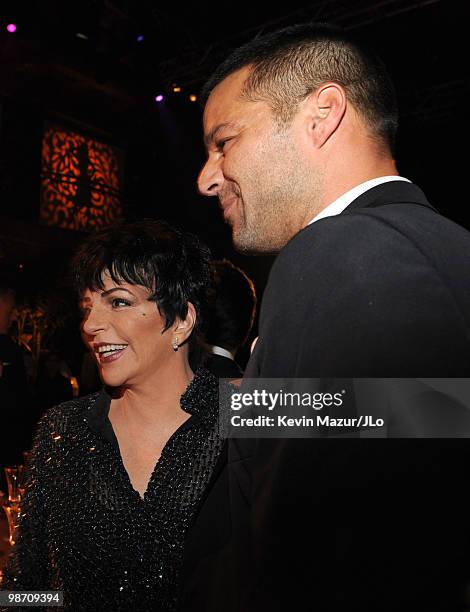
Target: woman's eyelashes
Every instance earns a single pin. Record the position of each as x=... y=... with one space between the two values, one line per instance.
x=117 y=302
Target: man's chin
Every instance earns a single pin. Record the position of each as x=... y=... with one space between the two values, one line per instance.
x=251 y=245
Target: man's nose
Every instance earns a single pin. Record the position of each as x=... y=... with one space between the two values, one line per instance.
x=210 y=178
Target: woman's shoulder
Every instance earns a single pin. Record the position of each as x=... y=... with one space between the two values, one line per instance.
x=60 y=415
x=201 y=395
x=59 y=431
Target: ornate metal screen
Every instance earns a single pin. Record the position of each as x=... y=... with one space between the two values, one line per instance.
x=80 y=180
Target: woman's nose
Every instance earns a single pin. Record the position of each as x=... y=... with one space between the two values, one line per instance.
x=93 y=322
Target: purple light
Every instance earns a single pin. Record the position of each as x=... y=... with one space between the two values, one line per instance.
x=140 y=38
x=11 y=27
x=159 y=98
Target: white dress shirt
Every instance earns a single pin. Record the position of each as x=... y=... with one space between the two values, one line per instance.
x=345 y=200
x=218 y=350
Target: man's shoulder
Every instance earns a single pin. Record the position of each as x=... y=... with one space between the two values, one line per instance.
x=387 y=250
x=400 y=218
x=408 y=231
x=343 y=241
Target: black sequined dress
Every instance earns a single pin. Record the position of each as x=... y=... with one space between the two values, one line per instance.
x=84 y=530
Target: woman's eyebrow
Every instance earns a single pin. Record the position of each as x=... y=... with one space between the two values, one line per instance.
x=109 y=291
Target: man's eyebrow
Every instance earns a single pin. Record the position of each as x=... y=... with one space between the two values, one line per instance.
x=211 y=136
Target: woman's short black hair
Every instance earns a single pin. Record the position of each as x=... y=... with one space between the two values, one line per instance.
x=173 y=265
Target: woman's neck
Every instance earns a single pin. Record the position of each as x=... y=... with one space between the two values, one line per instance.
x=156 y=400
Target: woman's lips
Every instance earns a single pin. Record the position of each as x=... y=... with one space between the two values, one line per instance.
x=102 y=358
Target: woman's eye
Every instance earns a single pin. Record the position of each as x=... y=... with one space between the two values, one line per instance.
x=118 y=302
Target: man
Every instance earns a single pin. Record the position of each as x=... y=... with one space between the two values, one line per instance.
x=229 y=319
x=371 y=281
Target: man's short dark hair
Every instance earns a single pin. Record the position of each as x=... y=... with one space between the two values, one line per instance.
x=172 y=265
x=232 y=306
x=287 y=65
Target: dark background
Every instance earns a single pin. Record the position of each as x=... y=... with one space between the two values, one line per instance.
x=105 y=84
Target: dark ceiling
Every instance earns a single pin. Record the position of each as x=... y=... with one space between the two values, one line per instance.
x=49 y=58
x=82 y=62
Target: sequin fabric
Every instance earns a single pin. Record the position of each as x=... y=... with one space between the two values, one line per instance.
x=86 y=531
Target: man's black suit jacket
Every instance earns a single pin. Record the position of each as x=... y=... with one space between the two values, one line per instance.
x=381 y=290
x=223 y=367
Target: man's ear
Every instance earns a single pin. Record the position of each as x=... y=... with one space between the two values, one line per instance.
x=183 y=327
x=327 y=106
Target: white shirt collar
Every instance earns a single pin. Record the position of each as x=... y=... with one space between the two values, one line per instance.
x=337 y=207
x=218 y=350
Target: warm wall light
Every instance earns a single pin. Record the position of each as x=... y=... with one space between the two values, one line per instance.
x=193 y=98
x=80 y=180
x=176 y=88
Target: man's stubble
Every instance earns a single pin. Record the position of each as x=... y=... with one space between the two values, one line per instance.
x=274 y=208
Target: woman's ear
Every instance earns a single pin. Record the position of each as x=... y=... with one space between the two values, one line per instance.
x=183 y=327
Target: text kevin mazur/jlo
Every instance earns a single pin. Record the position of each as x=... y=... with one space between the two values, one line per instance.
x=284 y=421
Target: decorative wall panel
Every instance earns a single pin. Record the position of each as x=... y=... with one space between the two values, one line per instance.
x=80 y=180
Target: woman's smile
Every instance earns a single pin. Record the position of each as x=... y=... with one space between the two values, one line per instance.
x=107 y=351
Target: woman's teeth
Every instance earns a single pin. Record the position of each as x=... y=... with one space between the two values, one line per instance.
x=109 y=349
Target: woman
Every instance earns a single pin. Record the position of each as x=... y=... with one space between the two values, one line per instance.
x=115 y=477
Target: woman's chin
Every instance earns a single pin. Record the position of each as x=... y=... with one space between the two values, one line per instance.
x=112 y=380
